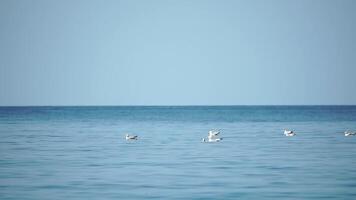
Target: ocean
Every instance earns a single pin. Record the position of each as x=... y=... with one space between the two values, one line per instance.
x=81 y=152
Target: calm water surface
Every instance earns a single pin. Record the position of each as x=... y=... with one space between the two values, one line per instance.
x=81 y=153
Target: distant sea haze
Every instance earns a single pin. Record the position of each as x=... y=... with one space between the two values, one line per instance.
x=80 y=152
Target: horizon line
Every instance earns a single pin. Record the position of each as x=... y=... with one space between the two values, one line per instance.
x=172 y=105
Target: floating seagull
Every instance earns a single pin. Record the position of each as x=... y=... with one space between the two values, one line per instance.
x=349 y=133
x=289 y=133
x=131 y=137
x=212 y=136
x=213 y=133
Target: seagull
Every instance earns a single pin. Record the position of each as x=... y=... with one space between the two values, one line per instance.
x=131 y=137
x=289 y=133
x=212 y=136
x=213 y=133
x=349 y=133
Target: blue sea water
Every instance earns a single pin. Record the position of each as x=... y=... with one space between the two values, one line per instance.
x=81 y=153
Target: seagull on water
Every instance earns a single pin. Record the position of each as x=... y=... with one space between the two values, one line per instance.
x=289 y=133
x=213 y=136
x=131 y=137
x=213 y=133
x=349 y=133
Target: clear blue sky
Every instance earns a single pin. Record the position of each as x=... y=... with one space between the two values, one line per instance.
x=177 y=52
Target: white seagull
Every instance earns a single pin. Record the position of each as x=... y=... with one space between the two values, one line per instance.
x=349 y=133
x=213 y=133
x=212 y=136
x=131 y=137
x=289 y=133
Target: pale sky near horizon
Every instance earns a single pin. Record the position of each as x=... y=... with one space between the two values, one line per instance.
x=177 y=52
